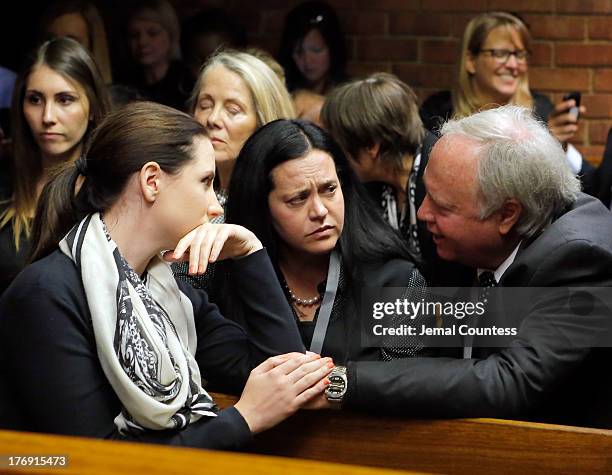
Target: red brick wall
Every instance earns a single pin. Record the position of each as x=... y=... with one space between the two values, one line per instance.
x=418 y=41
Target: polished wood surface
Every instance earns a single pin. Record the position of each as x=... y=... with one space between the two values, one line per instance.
x=461 y=446
x=102 y=457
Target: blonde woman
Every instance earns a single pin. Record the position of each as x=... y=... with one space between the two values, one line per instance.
x=235 y=94
x=492 y=71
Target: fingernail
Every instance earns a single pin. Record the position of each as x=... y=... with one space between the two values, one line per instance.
x=326 y=382
x=330 y=365
x=201 y=269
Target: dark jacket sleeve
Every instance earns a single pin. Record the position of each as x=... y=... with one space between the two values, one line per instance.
x=226 y=352
x=552 y=341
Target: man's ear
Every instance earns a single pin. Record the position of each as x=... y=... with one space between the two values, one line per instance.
x=510 y=213
x=470 y=61
x=150 y=181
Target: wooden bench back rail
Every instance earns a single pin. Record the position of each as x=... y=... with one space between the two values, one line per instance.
x=461 y=446
x=103 y=457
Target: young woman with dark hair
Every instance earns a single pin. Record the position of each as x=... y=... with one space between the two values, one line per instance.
x=312 y=48
x=58 y=99
x=119 y=346
x=294 y=188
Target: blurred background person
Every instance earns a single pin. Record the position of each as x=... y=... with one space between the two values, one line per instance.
x=312 y=49
x=59 y=98
x=154 y=42
x=492 y=71
x=7 y=83
x=81 y=21
x=204 y=33
x=308 y=105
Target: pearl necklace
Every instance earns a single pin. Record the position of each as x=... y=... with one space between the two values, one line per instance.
x=303 y=302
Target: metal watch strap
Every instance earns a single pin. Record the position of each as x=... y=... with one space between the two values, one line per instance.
x=336 y=390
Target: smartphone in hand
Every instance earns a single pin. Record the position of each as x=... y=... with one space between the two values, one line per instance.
x=576 y=109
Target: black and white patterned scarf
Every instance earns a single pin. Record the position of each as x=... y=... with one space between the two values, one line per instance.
x=145 y=333
x=407 y=222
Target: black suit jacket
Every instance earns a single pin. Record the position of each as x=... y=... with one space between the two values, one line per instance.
x=543 y=375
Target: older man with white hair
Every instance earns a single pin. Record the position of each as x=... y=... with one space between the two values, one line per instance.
x=502 y=200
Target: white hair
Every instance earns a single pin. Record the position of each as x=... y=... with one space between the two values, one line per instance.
x=520 y=159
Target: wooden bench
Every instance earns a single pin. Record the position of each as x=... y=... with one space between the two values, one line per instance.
x=102 y=457
x=470 y=446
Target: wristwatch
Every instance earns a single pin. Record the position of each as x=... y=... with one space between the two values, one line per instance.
x=338 y=384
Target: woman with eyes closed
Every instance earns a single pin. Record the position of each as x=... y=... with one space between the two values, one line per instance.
x=492 y=71
x=235 y=94
x=59 y=98
x=294 y=188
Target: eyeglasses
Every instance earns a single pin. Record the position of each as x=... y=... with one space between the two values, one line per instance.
x=503 y=55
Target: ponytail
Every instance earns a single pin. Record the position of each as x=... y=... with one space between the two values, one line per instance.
x=119 y=147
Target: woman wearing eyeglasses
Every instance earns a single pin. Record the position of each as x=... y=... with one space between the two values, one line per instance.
x=492 y=71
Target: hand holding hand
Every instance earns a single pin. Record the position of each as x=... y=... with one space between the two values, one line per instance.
x=280 y=386
x=211 y=242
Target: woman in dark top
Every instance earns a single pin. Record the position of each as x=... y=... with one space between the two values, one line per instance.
x=119 y=347
x=294 y=188
x=58 y=99
x=312 y=49
x=154 y=41
x=492 y=71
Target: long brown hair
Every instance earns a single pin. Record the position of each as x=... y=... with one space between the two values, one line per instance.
x=476 y=32
x=127 y=138
x=71 y=60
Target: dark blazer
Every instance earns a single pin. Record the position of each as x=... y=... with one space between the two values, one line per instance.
x=50 y=372
x=544 y=374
